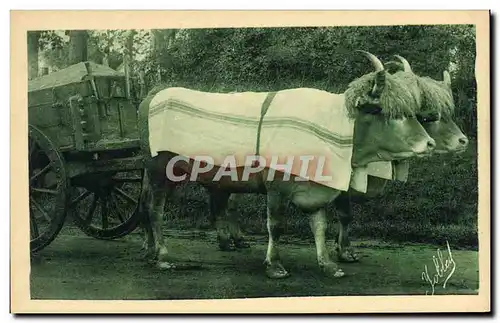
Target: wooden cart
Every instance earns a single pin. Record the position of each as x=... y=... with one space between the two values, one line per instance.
x=84 y=156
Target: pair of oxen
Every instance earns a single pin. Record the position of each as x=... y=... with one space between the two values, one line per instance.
x=397 y=116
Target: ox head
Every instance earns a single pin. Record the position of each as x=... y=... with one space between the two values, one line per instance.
x=386 y=127
x=436 y=111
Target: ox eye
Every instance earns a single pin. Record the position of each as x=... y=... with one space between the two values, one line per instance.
x=370 y=109
x=428 y=118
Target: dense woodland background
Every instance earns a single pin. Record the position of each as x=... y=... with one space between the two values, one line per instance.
x=438 y=203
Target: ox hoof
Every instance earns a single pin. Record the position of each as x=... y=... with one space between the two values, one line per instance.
x=166 y=265
x=333 y=270
x=148 y=254
x=276 y=271
x=226 y=246
x=348 y=255
x=241 y=244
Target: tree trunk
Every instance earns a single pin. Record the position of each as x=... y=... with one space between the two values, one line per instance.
x=33 y=37
x=158 y=46
x=142 y=84
x=162 y=40
x=107 y=49
x=127 y=59
x=77 y=46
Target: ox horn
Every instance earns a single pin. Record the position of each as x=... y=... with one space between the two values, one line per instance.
x=406 y=65
x=375 y=61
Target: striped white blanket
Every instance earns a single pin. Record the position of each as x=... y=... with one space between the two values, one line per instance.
x=299 y=122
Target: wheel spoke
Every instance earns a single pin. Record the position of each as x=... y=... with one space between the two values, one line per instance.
x=44 y=170
x=32 y=146
x=80 y=197
x=90 y=213
x=127 y=179
x=117 y=203
x=47 y=194
x=34 y=226
x=116 y=209
x=39 y=207
x=44 y=190
x=104 y=213
x=125 y=195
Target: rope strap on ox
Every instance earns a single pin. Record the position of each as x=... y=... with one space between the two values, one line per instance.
x=265 y=106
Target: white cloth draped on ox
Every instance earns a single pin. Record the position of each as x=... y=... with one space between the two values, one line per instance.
x=302 y=126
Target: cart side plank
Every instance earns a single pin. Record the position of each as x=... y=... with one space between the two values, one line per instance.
x=84 y=108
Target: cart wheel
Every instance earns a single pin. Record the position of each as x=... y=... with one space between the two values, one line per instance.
x=47 y=189
x=105 y=206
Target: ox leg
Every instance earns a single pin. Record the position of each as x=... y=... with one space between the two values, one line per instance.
x=145 y=224
x=318 y=225
x=233 y=222
x=218 y=205
x=275 y=228
x=154 y=205
x=345 y=252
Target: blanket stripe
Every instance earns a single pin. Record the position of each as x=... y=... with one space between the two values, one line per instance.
x=297 y=124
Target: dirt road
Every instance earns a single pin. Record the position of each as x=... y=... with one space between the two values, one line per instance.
x=78 y=267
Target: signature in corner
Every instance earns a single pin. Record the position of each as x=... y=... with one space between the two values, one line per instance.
x=443 y=266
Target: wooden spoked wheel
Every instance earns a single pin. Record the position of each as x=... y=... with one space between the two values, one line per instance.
x=105 y=206
x=47 y=189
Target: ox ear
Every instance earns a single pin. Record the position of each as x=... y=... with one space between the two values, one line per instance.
x=378 y=84
x=446 y=78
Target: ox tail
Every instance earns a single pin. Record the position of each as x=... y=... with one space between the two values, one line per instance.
x=144 y=199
